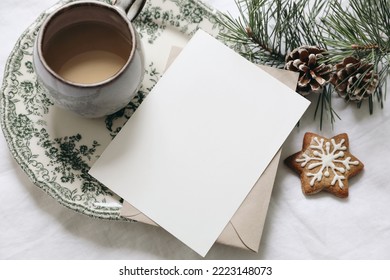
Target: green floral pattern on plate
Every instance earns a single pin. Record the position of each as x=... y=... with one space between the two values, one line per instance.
x=56 y=148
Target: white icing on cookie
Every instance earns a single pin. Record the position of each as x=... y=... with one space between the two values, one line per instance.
x=326 y=158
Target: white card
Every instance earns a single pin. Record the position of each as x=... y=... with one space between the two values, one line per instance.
x=200 y=140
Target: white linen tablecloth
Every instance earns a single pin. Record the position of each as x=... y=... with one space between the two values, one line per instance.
x=35 y=226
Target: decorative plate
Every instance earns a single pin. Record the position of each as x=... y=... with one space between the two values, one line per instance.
x=56 y=148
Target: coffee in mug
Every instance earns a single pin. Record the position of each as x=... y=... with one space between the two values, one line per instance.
x=89 y=56
x=87 y=53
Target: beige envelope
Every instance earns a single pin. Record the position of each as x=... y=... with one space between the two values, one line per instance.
x=246 y=226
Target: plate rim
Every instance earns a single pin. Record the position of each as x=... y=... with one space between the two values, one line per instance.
x=106 y=213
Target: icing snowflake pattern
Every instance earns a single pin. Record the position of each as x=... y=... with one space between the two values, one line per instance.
x=327 y=159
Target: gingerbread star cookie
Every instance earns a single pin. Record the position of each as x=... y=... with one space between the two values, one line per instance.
x=325 y=164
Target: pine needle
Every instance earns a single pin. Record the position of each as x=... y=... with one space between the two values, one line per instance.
x=267 y=30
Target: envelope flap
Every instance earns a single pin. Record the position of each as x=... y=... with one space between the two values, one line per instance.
x=249 y=219
x=289 y=78
x=245 y=228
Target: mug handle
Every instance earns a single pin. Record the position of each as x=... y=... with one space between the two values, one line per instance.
x=131 y=7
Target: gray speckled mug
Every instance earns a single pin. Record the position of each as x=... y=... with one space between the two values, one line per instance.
x=89 y=56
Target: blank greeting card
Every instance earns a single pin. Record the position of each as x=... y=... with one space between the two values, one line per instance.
x=196 y=146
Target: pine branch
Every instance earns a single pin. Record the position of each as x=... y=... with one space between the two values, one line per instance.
x=361 y=31
x=267 y=30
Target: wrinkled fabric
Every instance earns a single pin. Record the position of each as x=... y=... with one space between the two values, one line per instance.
x=34 y=226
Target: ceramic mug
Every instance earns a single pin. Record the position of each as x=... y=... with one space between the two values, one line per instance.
x=89 y=56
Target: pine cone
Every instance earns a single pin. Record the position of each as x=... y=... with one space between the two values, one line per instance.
x=354 y=79
x=313 y=76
